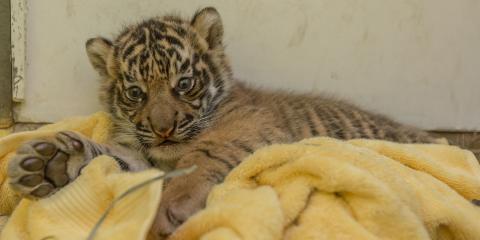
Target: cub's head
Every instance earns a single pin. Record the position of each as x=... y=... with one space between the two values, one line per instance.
x=163 y=78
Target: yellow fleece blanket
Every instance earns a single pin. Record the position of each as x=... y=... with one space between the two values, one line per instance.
x=73 y=212
x=315 y=189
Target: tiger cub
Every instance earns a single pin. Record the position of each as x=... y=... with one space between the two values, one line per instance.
x=169 y=88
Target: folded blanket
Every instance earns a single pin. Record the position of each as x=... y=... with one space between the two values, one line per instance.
x=318 y=188
x=329 y=189
x=73 y=212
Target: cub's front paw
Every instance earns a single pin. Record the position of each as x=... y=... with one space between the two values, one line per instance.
x=183 y=197
x=42 y=166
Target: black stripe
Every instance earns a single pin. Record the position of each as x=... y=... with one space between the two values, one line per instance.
x=171 y=52
x=185 y=65
x=128 y=78
x=372 y=126
x=346 y=122
x=141 y=37
x=124 y=144
x=143 y=142
x=124 y=109
x=115 y=52
x=94 y=150
x=190 y=103
x=282 y=111
x=128 y=51
x=311 y=125
x=219 y=93
x=179 y=57
x=195 y=59
x=123 y=165
x=212 y=67
x=144 y=57
x=150 y=161
x=126 y=102
x=174 y=41
x=208 y=154
x=145 y=137
x=215 y=176
x=326 y=117
x=338 y=132
x=185 y=121
x=205 y=77
x=232 y=109
x=323 y=116
x=111 y=91
x=131 y=61
x=180 y=31
x=159 y=27
x=242 y=146
x=356 y=123
x=338 y=125
x=198 y=92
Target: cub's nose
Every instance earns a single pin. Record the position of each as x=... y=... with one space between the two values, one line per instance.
x=163 y=133
x=162 y=123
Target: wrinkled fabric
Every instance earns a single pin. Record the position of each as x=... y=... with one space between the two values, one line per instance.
x=324 y=188
x=319 y=188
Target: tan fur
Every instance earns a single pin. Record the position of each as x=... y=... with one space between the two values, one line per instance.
x=225 y=119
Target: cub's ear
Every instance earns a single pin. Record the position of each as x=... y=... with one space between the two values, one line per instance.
x=98 y=50
x=209 y=25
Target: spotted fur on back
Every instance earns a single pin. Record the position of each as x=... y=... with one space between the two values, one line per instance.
x=218 y=120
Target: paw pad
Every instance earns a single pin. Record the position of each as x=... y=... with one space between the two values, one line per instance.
x=31 y=180
x=32 y=164
x=43 y=166
x=46 y=149
x=43 y=190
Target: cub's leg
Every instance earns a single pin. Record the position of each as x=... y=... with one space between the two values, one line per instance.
x=43 y=166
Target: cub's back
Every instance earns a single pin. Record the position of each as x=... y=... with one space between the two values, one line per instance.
x=300 y=116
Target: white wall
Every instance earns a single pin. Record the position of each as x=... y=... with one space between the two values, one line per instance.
x=417 y=61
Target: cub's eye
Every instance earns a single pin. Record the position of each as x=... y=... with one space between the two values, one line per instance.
x=184 y=85
x=135 y=94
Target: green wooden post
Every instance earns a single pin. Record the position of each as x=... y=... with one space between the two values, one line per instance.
x=6 y=119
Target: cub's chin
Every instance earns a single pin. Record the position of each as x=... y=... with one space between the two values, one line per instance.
x=167 y=154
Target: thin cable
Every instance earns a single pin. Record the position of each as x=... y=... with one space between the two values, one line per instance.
x=172 y=174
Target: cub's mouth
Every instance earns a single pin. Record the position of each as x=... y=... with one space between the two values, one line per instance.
x=167 y=143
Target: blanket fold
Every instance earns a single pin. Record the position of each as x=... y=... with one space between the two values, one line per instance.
x=72 y=212
x=360 y=189
x=318 y=188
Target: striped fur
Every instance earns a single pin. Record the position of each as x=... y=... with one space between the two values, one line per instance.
x=219 y=121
